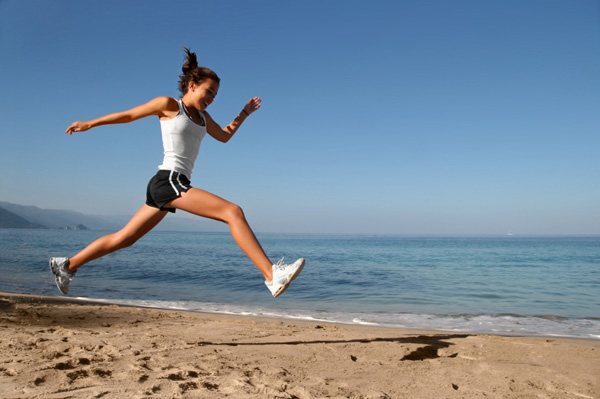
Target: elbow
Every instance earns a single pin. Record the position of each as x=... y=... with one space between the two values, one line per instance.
x=225 y=136
x=124 y=118
x=222 y=136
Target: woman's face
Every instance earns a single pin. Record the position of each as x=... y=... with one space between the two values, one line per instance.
x=201 y=95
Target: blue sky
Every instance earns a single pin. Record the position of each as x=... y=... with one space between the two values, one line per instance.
x=411 y=117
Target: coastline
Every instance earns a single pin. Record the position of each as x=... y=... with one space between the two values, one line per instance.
x=57 y=346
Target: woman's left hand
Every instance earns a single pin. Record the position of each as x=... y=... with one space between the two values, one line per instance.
x=252 y=105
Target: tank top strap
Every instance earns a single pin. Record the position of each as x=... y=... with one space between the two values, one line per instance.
x=181 y=107
x=183 y=111
x=202 y=117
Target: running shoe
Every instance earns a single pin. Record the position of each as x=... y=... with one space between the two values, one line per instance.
x=283 y=276
x=62 y=275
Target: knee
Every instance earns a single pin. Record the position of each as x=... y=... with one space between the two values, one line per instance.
x=128 y=242
x=123 y=241
x=234 y=213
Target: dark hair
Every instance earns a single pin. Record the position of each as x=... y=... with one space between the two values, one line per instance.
x=194 y=73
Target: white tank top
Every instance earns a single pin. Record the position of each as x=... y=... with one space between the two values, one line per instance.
x=181 y=138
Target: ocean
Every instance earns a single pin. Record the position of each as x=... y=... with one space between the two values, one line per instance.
x=514 y=285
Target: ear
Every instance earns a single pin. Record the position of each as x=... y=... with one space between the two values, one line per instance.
x=191 y=85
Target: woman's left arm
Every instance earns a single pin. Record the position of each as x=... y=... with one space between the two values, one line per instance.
x=224 y=135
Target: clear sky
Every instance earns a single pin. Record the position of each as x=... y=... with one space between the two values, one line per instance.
x=422 y=116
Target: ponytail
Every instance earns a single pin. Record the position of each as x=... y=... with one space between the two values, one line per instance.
x=194 y=73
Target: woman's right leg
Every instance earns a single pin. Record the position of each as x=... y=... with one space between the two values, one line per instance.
x=202 y=203
x=140 y=224
x=205 y=204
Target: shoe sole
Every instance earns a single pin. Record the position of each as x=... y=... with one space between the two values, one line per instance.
x=54 y=274
x=56 y=279
x=284 y=287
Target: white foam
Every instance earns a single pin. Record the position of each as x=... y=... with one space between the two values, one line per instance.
x=365 y=323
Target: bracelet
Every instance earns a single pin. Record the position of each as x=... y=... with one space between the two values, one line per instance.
x=246 y=112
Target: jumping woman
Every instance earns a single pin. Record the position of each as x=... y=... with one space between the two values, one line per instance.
x=184 y=123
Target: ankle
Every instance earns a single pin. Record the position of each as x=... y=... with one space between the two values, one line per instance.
x=268 y=277
x=69 y=266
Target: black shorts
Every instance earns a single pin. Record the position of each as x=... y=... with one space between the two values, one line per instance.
x=165 y=186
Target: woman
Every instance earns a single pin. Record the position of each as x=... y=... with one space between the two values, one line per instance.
x=184 y=124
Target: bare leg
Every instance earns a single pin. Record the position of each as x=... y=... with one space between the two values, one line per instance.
x=203 y=203
x=140 y=224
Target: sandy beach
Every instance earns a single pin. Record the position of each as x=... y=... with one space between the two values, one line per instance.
x=62 y=348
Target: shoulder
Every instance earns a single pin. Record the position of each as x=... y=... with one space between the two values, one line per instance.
x=207 y=116
x=163 y=107
x=165 y=103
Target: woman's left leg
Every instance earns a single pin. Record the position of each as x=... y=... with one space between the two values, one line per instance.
x=203 y=203
x=141 y=223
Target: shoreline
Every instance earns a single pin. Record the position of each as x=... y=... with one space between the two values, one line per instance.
x=510 y=325
x=54 y=346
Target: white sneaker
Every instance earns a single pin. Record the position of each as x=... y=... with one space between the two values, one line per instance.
x=283 y=276
x=62 y=275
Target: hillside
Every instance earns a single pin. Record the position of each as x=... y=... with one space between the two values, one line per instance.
x=23 y=216
x=14 y=221
x=53 y=218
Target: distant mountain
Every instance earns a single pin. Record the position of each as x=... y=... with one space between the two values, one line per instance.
x=34 y=217
x=57 y=219
x=14 y=221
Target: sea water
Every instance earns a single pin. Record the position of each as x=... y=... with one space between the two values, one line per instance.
x=546 y=286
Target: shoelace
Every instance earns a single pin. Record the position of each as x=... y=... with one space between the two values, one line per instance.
x=279 y=265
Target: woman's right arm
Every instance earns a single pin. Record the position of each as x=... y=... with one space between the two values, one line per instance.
x=160 y=106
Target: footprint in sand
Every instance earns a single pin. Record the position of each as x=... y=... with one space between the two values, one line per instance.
x=210 y=387
x=68 y=365
x=7 y=372
x=102 y=373
x=75 y=375
x=185 y=379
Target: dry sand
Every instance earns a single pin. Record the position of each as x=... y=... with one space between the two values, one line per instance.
x=58 y=348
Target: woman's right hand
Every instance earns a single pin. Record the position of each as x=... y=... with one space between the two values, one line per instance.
x=78 y=127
